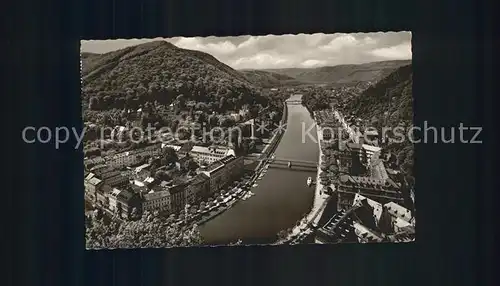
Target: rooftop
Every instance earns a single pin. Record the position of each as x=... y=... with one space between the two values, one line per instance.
x=371 y=148
x=141 y=167
x=124 y=195
x=227 y=159
x=377 y=207
x=138 y=189
x=366 y=234
x=89 y=176
x=215 y=166
x=353 y=146
x=156 y=195
x=95 y=181
x=106 y=189
x=399 y=211
x=200 y=178
x=175 y=147
x=361 y=180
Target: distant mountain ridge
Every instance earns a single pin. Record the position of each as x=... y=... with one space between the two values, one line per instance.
x=342 y=73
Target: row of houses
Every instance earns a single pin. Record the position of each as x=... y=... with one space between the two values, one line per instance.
x=125 y=159
x=167 y=197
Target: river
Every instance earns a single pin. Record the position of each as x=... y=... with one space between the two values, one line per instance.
x=282 y=196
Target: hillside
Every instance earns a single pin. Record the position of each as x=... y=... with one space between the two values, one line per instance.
x=160 y=71
x=343 y=73
x=267 y=79
x=393 y=95
x=390 y=103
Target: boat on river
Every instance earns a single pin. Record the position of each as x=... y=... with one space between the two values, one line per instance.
x=309 y=181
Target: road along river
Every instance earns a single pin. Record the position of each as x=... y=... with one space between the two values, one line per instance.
x=281 y=197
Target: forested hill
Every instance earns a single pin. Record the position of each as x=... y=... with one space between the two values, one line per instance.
x=268 y=79
x=343 y=73
x=389 y=103
x=390 y=99
x=160 y=71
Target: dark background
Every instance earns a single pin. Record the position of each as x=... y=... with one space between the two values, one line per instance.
x=452 y=84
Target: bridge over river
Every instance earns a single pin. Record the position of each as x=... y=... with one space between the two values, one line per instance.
x=292 y=164
x=282 y=196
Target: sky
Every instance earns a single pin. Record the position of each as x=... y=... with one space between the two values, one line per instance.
x=283 y=51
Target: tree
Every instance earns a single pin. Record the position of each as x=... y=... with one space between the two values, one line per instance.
x=181 y=99
x=190 y=165
x=212 y=120
x=151 y=230
x=282 y=235
x=222 y=102
x=174 y=125
x=169 y=156
x=93 y=103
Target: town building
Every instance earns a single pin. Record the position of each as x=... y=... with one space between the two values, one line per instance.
x=177 y=197
x=119 y=132
x=198 y=189
x=107 y=172
x=375 y=189
x=149 y=182
x=103 y=195
x=365 y=234
x=157 y=200
x=369 y=221
x=337 y=230
x=92 y=184
x=121 y=160
x=210 y=154
x=149 y=151
x=217 y=176
x=89 y=163
x=142 y=172
x=370 y=150
x=234 y=167
x=133 y=157
x=122 y=202
x=371 y=136
x=223 y=172
x=377 y=168
x=175 y=147
x=117 y=180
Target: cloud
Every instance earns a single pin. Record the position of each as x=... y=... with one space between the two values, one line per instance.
x=339 y=43
x=285 y=51
x=402 y=51
x=313 y=63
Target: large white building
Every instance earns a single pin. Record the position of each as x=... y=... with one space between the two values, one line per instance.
x=210 y=154
x=130 y=158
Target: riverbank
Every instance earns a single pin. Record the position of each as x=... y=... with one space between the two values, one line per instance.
x=281 y=195
x=269 y=150
x=257 y=172
x=319 y=202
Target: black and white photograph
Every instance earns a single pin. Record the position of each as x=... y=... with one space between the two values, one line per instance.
x=248 y=140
